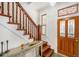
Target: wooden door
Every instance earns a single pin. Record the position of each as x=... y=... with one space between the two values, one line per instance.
x=72 y=35
x=61 y=35
x=68 y=44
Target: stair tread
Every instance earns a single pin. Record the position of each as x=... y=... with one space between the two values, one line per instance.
x=5 y=15
x=45 y=48
x=48 y=53
x=44 y=42
x=12 y=23
x=21 y=29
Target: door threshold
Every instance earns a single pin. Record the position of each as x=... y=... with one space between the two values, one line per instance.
x=62 y=55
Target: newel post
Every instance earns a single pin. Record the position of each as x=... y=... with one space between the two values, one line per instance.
x=39 y=32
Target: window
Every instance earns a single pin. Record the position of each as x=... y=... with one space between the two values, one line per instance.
x=43 y=23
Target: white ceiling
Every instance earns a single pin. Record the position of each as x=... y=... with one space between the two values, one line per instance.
x=38 y=5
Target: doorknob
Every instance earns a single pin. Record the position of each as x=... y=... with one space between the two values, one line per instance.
x=76 y=40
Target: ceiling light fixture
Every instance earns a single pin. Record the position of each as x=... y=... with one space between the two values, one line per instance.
x=52 y=3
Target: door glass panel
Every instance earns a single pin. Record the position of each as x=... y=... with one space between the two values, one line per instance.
x=71 y=26
x=62 y=28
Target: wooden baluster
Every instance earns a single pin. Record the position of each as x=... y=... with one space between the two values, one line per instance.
x=30 y=29
x=2 y=7
x=20 y=18
x=28 y=26
x=23 y=21
x=8 y=9
x=1 y=49
x=39 y=32
x=25 y=26
x=6 y=46
x=16 y=13
x=34 y=33
x=19 y=25
x=12 y=12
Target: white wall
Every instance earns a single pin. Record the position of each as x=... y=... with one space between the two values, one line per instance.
x=51 y=30
x=9 y=32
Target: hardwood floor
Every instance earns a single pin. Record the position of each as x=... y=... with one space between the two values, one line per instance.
x=46 y=50
x=55 y=55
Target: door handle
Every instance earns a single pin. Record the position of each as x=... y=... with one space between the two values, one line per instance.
x=76 y=40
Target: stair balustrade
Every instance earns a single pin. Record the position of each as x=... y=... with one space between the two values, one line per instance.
x=18 y=15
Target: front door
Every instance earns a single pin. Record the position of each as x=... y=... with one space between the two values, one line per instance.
x=72 y=35
x=69 y=44
x=62 y=36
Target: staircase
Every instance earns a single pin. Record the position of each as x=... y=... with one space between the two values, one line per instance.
x=18 y=16
x=25 y=25
x=46 y=50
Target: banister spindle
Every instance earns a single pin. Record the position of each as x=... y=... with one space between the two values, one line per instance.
x=12 y=12
x=23 y=21
x=39 y=30
x=16 y=13
x=25 y=30
x=8 y=9
x=28 y=26
x=34 y=32
x=2 y=9
x=30 y=29
x=20 y=18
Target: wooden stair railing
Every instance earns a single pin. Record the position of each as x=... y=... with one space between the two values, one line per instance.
x=18 y=15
